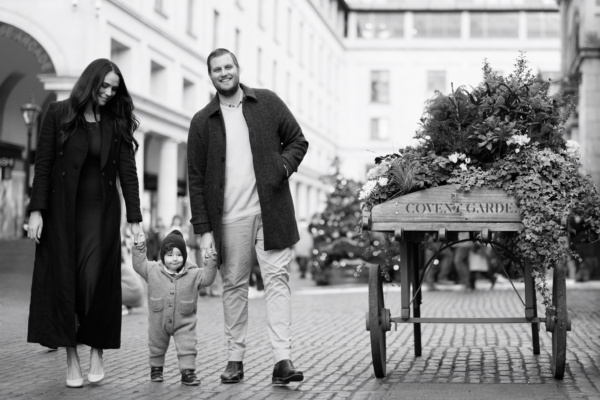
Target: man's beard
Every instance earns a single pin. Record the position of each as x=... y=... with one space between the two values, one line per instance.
x=228 y=92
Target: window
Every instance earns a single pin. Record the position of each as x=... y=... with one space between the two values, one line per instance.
x=288 y=97
x=236 y=41
x=320 y=71
x=274 y=74
x=380 y=25
x=300 y=96
x=259 y=56
x=275 y=21
x=261 y=12
x=436 y=80
x=543 y=25
x=215 y=29
x=380 y=86
x=189 y=95
x=494 y=25
x=190 y=17
x=289 y=31
x=310 y=105
x=300 y=43
x=159 y=7
x=158 y=79
x=121 y=55
x=437 y=25
x=309 y=56
x=380 y=129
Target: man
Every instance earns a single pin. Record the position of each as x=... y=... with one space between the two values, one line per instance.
x=242 y=148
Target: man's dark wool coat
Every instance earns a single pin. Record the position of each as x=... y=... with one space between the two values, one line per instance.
x=57 y=166
x=276 y=142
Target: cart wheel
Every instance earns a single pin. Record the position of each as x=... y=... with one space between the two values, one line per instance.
x=378 y=321
x=560 y=325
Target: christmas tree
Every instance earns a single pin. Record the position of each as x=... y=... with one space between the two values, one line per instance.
x=337 y=241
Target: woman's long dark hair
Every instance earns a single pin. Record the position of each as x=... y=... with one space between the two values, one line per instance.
x=120 y=106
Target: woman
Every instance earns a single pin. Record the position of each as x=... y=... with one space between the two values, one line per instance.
x=85 y=142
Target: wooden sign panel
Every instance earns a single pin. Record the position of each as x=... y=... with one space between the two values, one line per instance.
x=445 y=207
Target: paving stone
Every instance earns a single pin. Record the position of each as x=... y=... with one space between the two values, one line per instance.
x=330 y=344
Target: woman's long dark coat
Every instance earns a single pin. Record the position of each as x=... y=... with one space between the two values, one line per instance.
x=52 y=309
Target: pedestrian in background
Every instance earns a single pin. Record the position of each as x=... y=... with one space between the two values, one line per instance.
x=479 y=264
x=85 y=144
x=256 y=285
x=440 y=268
x=242 y=149
x=173 y=287
x=461 y=262
x=303 y=249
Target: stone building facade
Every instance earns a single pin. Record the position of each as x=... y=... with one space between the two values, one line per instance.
x=355 y=73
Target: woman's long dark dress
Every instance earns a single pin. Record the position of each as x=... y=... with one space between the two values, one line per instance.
x=88 y=212
x=69 y=227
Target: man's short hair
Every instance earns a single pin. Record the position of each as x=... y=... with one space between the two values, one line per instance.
x=218 y=53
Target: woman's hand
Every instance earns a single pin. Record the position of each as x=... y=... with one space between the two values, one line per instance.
x=35 y=225
x=137 y=230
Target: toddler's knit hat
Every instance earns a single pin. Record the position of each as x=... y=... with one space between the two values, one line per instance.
x=174 y=238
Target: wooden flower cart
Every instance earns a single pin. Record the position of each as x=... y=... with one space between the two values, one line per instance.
x=453 y=216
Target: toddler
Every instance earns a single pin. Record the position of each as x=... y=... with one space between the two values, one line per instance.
x=173 y=286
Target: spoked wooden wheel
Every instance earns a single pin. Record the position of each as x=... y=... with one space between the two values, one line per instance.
x=559 y=323
x=378 y=321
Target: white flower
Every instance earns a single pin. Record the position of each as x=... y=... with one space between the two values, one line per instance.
x=463 y=166
x=519 y=140
x=462 y=156
x=453 y=157
x=382 y=181
x=367 y=189
x=572 y=144
x=468 y=160
x=378 y=170
x=573 y=149
x=427 y=137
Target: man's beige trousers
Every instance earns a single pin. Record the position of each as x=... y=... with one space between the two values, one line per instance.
x=240 y=239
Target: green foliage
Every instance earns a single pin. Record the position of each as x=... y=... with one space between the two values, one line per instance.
x=505 y=133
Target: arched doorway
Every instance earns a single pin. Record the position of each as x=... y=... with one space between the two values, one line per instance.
x=23 y=61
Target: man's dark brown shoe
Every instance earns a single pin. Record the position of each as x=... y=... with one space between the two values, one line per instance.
x=284 y=373
x=234 y=372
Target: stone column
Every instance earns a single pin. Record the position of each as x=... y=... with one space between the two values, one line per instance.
x=166 y=188
x=140 y=136
x=140 y=164
x=293 y=188
x=589 y=118
x=313 y=201
x=302 y=201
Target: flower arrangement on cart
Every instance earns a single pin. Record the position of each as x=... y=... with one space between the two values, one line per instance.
x=502 y=140
x=506 y=133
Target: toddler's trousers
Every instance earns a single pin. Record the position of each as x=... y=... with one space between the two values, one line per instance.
x=185 y=342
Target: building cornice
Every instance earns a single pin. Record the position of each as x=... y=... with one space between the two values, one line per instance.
x=327 y=23
x=451 y=5
x=151 y=25
x=582 y=54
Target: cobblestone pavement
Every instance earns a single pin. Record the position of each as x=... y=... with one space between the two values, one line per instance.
x=330 y=344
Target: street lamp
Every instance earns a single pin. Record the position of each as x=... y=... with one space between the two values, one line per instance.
x=30 y=111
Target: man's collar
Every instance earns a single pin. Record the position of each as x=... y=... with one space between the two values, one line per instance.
x=214 y=105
